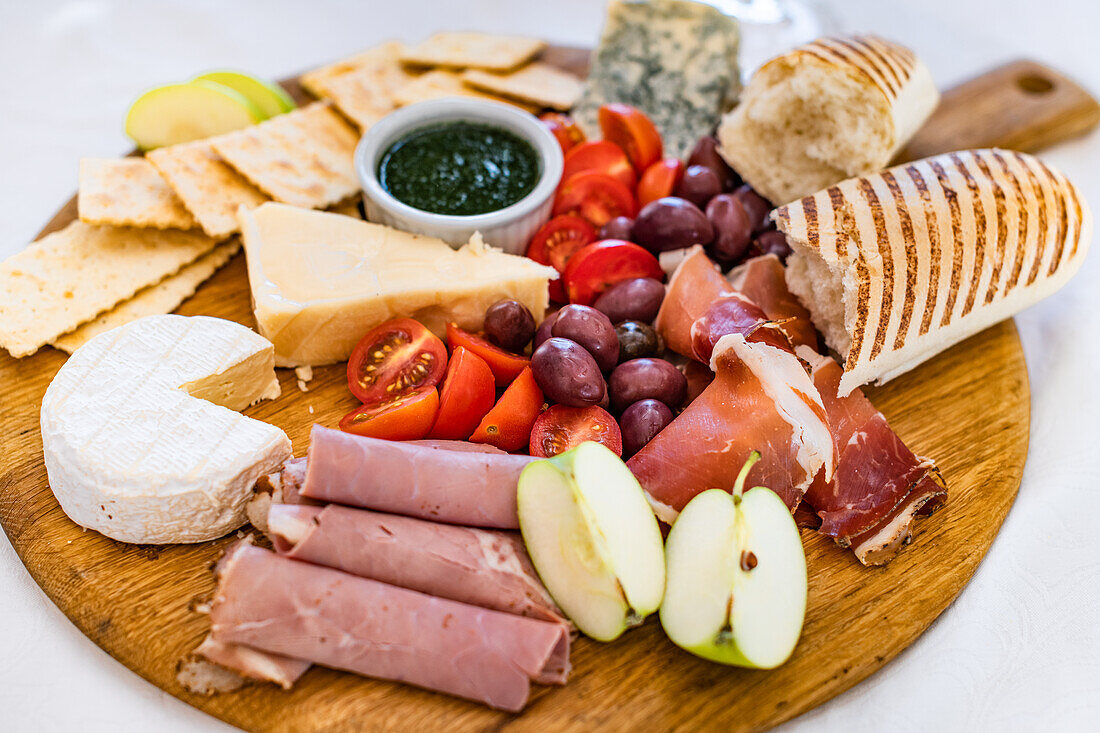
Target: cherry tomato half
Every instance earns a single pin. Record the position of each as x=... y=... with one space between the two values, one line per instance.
x=555 y=242
x=508 y=425
x=467 y=395
x=597 y=197
x=564 y=128
x=504 y=365
x=631 y=130
x=408 y=417
x=602 y=264
x=561 y=428
x=602 y=156
x=396 y=358
x=659 y=180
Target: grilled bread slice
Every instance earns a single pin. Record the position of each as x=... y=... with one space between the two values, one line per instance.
x=826 y=111
x=899 y=265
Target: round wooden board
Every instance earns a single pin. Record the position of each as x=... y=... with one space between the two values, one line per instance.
x=968 y=408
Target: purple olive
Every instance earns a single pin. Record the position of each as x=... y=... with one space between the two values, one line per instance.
x=509 y=325
x=591 y=329
x=621 y=227
x=705 y=153
x=567 y=374
x=640 y=379
x=637 y=340
x=732 y=228
x=698 y=185
x=544 y=329
x=756 y=206
x=641 y=422
x=671 y=223
x=637 y=299
x=773 y=243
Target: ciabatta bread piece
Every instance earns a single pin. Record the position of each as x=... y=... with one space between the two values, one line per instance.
x=899 y=265
x=826 y=111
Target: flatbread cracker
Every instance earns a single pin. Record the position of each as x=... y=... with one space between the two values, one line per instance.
x=164 y=297
x=442 y=83
x=474 y=50
x=128 y=192
x=73 y=275
x=209 y=188
x=537 y=83
x=362 y=86
x=302 y=158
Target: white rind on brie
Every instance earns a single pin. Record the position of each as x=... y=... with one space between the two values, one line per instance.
x=141 y=434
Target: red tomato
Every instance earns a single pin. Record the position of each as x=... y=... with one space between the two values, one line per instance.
x=398 y=357
x=597 y=197
x=602 y=264
x=409 y=417
x=601 y=156
x=566 y=131
x=504 y=365
x=508 y=424
x=631 y=130
x=659 y=180
x=561 y=428
x=468 y=394
x=555 y=242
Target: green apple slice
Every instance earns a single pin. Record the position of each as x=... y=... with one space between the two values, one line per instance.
x=593 y=539
x=179 y=113
x=271 y=98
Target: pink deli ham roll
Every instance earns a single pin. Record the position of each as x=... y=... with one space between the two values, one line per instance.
x=481 y=567
x=253 y=663
x=338 y=620
x=430 y=480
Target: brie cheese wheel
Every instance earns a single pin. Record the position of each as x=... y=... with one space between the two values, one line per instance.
x=141 y=434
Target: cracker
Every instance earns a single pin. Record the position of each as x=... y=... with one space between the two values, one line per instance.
x=362 y=86
x=209 y=188
x=164 y=297
x=348 y=207
x=73 y=275
x=474 y=50
x=442 y=83
x=128 y=192
x=302 y=158
x=537 y=83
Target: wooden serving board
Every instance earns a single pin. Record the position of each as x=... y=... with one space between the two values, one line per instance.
x=968 y=408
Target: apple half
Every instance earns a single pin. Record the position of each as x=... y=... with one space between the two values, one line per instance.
x=736 y=591
x=593 y=539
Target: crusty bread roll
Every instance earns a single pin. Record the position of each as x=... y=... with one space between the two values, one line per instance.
x=897 y=266
x=826 y=111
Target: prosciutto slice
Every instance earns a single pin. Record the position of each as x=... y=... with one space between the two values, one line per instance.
x=481 y=567
x=734 y=313
x=338 y=620
x=693 y=287
x=763 y=282
x=761 y=399
x=432 y=480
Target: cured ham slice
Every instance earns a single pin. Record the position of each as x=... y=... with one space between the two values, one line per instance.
x=734 y=313
x=338 y=620
x=761 y=399
x=694 y=285
x=253 y=663
x=762 y=281
x=430 y=480
x=879 y=486
x=481 y=567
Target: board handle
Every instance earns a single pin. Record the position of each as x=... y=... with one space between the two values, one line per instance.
x=1022 y=106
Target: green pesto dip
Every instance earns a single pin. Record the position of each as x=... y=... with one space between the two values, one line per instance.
x=459 y=168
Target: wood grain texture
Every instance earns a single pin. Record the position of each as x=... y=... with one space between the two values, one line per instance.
x=968 y=408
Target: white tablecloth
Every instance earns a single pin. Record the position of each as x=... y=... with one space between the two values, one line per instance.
x=1018 y=650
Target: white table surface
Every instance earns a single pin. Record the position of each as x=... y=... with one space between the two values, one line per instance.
x=1018 y=650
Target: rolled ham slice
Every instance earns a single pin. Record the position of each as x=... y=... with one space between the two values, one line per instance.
x=432 y=480
x=338 y=620
x=253 y=663
x=734 y=313
x=481 y=567
x=762 y=281
x=694 y=285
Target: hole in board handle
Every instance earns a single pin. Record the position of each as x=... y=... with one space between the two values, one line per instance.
x=1034 y=84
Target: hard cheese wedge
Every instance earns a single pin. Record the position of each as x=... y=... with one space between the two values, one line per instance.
x=141 y=434
x=320 y=281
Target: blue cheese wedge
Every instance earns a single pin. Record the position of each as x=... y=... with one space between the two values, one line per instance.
x=675 y=60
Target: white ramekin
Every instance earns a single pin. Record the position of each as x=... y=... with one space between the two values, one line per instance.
x=510 y=228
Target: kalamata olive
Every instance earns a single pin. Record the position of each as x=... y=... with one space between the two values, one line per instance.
x=773 y=243
x=637 y=340
x=544 y=329
x=732 y=228
x=641 y=422
x=591 y=329
x=756 y=206
x=698 y=185
x=640 y=379
x=705 y=153
x=620 y=227
x=637 y=299
x=509 y=325
x=671 y=223
x=567 y=374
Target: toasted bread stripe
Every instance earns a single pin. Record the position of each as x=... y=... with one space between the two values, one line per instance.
x=1060 y=238
x=978 y=207
x=1042 y=229
x=841 y=208
x=911 y=263
x=934 y=242
x=957 y=253
x=1022 y=225
x=883 y=241
x=1079 y=218
x=875 y=51
x=1001 y=214
x=855 y=58
x=892 y=53
x=809 y=208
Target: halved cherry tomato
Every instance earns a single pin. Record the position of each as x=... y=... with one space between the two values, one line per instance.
x=408 y=417
x=504 y=365
x=396 y=358
x=467 y=395
x=508 y=425
x=597 y=197
x=555 y=242
x=565 y=129
x=631 y=130
x=602 y=156
x=659 y=180
x=602 y=264
x=561 y=428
